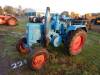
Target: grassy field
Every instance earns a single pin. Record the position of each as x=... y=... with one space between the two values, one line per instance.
x=86 y=63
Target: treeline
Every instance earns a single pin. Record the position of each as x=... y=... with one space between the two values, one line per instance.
x=11 y=10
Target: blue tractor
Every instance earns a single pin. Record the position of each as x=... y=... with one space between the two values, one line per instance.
x=55 y=30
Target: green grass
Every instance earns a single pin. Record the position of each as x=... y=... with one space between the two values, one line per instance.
x=86 y=63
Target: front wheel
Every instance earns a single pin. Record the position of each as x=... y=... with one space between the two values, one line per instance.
x=21 y=46
x=75 y=41
x=38 y=58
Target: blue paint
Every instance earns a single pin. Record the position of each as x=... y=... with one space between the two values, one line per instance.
x=55 y=24
x=75 y=27
x=33 y=33
x=55 y=29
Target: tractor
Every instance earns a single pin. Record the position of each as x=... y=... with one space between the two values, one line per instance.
x=52 y=30
x=8 y=20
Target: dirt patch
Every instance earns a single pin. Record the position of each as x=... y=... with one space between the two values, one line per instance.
x=1 y=41
x=4 y=67
x=3 y=59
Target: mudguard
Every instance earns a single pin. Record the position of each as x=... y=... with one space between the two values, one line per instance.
x=75 y=27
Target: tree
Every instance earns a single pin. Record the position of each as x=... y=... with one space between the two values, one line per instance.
x=74 y=15
x=65 y=13
x=20 y=11
x=9 y=9
x=1 y=10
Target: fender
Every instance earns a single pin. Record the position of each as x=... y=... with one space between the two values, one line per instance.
x=75 y=27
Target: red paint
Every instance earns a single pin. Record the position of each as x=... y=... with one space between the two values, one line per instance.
x=38 y=61
x=77 y=44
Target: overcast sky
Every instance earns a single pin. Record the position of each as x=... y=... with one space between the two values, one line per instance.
x=80 y=6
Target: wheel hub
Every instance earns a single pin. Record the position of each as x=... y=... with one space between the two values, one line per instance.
x=38 y=61
x=77 y=44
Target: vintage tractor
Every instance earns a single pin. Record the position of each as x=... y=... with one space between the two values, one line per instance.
x=54 y=30
x=8 y=20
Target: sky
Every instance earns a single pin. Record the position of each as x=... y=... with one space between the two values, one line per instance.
x=79 y=6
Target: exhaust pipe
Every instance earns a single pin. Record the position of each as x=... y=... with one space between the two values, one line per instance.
x=47 y=27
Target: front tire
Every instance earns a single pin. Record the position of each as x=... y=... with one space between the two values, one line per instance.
x=38 y=58
x=21 y=46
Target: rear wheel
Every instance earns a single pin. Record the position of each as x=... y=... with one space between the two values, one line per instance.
x=75 y=41
x=21 y=46
x=38 y=58
x=12 y=22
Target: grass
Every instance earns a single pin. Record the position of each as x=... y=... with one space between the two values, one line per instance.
x=86 y=63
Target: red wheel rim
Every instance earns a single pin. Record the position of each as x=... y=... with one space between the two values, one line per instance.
x=22 y=48
x=77 y=44
x=38 y=61
x=12 y=22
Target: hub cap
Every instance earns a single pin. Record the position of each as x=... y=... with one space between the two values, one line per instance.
x=77 y=44
x=38 y=61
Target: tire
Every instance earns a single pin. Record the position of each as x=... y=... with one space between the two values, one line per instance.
x=1 y=21
x=30 y=19
x=34 y=19
x=20 y=46
x=12 y=21
x=37 y=59
x=75 y=41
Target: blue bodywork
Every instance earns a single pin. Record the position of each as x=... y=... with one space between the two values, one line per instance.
x=75 y=27
x=57 y=29
x=33 y=33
